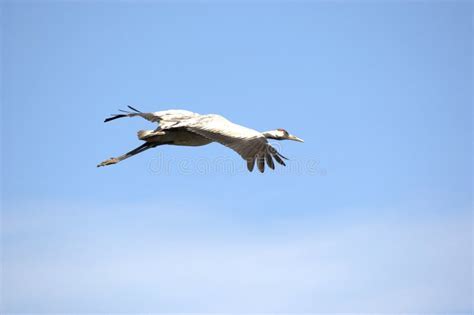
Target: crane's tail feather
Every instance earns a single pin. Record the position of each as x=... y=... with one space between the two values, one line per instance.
x=115 y=116
x=134 y=109
x=126 y=114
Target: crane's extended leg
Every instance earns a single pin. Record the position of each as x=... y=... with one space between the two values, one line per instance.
x=135 y=151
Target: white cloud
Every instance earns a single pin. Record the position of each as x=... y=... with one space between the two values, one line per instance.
x=78 y=259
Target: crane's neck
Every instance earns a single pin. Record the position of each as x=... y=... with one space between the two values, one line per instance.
x=272 y=134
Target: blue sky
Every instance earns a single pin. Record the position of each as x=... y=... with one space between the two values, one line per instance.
x=380 y=222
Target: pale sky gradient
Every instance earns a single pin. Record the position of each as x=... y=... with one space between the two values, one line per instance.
x=381 y=93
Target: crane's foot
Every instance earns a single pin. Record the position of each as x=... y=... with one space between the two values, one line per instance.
x=109 y=162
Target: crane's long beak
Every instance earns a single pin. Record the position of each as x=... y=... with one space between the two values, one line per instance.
x=294 y=138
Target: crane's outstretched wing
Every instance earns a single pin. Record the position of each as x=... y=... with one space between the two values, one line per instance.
x=250 y=144
x=165 y=118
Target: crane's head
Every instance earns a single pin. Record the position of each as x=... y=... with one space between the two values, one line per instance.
x=280 y=134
